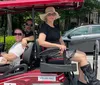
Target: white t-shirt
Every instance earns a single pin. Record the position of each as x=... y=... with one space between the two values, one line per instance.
x=18 y=50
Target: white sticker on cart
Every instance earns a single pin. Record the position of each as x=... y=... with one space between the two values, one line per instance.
x=10 y=84
x=46 y=78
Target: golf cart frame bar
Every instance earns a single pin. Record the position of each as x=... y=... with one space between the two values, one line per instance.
x=20 y=3
x=18 y=6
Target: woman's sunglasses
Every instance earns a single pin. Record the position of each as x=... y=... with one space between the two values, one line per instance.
x=19 y=34
x=51 y=14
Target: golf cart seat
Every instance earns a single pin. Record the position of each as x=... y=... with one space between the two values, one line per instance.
x=34 y=57
x=51 y=53
x=27 y=62
x=56 y=64
x=26 y=58
x=7 y=70
x=29 y=57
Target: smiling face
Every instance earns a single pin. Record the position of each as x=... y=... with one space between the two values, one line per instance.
x=18 y=35
x=28 y=25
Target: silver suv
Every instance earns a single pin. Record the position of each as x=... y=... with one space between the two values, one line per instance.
x=82 y=37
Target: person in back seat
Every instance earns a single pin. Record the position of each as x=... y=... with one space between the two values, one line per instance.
x=49 y=36
x=28 y=32
x=14 y=53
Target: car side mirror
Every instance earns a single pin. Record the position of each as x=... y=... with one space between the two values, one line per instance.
x=69 y=36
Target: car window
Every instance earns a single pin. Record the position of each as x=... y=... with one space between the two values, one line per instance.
x=67 y=32
x=83 y=30
x=95 y=29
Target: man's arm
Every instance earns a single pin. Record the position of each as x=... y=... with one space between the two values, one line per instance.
x=26 y=39
x=30 y=38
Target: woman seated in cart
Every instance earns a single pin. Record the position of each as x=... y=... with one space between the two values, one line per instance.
x=14 y=53
x=50 y=37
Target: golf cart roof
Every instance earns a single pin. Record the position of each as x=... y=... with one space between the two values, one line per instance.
x=26 y=5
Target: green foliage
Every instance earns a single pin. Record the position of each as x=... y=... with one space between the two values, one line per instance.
x=88 y=6
x=9 y=41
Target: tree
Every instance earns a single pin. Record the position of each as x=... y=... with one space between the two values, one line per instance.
x=87 y=8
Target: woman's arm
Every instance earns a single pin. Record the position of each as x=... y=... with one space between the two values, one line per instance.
x=44 y=43
x=61 y=41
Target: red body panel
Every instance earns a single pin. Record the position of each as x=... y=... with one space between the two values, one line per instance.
x=33 y=77
x=18 y=6
x=19 y=3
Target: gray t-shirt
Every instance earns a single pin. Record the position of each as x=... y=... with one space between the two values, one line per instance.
x=18 y=50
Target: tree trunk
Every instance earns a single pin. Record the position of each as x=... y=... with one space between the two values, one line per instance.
x=9 y=24
x=67 y=22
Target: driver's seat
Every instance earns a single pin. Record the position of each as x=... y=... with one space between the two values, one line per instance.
x=50 y=63
x=47 y=66
x=53 y=64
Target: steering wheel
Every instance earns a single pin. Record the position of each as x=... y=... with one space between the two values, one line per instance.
x=95 y=57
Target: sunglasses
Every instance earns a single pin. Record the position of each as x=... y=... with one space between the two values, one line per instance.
x=28 y=24
x=19 y=34
x=51 y=14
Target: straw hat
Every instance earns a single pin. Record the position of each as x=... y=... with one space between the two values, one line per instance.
x=47 y=11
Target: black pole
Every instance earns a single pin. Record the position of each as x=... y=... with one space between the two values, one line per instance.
x=5 y=27
x=33 y=28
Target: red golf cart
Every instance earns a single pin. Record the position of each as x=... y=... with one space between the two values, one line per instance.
x=34 y=68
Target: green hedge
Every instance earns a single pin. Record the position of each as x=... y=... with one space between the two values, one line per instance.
x=9 y=41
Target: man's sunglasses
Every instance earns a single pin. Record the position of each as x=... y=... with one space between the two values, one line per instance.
x=19 y=34
x=29 y=24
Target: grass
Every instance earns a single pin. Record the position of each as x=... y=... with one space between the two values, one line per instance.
x=9 y=41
